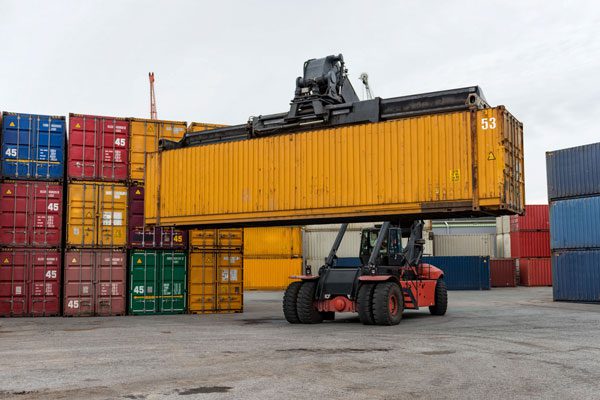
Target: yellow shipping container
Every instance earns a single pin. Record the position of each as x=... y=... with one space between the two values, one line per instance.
x=273 y=242
x=201 y=126
x=96 y=214
x=144 y=139
x=215 y=281
x=459 y=163
x=217 y=238
x=270 y=273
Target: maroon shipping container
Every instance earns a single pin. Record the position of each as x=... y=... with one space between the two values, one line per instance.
x=31 y=214
x=536 y=218
x=29 y=282
x=526 y=244
x=535 y=271
x=94 y=283
x=503 y=272
x=98 y=148
x=143 y=236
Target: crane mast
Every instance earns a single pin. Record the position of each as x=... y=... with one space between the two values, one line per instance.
x=153 y=114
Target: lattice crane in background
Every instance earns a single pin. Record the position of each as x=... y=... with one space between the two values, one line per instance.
x=364 y=78
x=153 y=114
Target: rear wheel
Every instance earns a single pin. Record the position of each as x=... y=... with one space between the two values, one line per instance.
x=388 y=304
x=307 y=312
x=290 y=299
x=441 y=299
x=364 y=303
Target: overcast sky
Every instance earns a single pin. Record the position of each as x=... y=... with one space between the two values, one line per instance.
x=222 y=62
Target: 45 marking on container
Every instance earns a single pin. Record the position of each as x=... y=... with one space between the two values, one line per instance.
x=53 y=207
x=11 y=152
x=120 y=142
x=73 y=304
x=488 y=123
x=138 y=289
x=51 y=274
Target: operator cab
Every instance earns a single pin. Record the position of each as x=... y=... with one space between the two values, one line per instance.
x=391 y=249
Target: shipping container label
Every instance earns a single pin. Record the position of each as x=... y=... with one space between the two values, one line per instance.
x=224 y=275
x=117 y=194
x=18 y=290
x=233 y=275
x=110 y=218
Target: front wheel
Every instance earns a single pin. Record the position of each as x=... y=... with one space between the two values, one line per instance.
x=441 y=299
x=307 y=312
x=290 y=301
x=388 y=304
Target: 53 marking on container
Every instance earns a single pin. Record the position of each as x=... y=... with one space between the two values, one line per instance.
x=488 y=123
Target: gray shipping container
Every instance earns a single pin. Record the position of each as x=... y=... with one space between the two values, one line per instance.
x=465 y=245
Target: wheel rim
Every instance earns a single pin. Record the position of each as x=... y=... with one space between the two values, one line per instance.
x=393 y=304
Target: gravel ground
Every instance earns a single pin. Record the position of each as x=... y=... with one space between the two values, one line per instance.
x=512 y=343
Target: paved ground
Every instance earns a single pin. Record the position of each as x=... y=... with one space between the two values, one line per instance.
x=499 y=344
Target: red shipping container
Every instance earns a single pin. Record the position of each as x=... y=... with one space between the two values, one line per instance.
x=29 y=282
x=525 y=244
x=98 y=148
x=94 y=283
x=503 y=272
x=536 y=218
x=535 y=271
x=31 y=214
x=143 y=236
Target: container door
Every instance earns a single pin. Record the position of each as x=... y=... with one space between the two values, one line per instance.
x=110 y=282
x=172 y=282
x=144 y=138
x=143 y=281
x=14 y=213
x=230 y=238
x=82 y=156
x=46 y=215
x=113 y=143
x=17 y=137
x=202 y=288
x=112 y=210
x=82 y=223
x=203 y=238
x=44 y=283
x=230 y=281
x=78 y=288
x=13 y=283
x=48 y=148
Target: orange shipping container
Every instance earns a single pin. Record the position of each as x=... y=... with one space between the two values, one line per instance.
x=270 y=273
x=273 y=242
x=216 y=238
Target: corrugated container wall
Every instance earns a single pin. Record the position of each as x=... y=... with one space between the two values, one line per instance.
x=145 y=134
x=535 y=271
x=273 y=242
x=573 y=172
x=503 y=272
x=576 y=275
x=31 y=214
x=96 y=215
x=527 y=244
x=464 y=245
x=141 y=235
x=536 y=218
x=94 y=283
x=270 y=273
x=294 y=177
x=575 y=223
x=98 y=148
x=503 y=245
x=157 y=282
x=318 y=239
x=33 y=146
x=463 y=273
x=503 y=224
x=30 y=282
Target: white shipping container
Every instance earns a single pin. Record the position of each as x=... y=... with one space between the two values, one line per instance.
x=503 y=224
x=465 y=245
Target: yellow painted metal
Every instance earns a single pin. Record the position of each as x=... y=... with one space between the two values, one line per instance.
x=273 y=242
x=270 y=273
x=144 y=139
x=427 y=165
x=201 y=126
x=96 y=214
x=217 y=238
x=215 y=281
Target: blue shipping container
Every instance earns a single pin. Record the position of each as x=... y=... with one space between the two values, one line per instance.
x=463 y=272
x=575 y=223
x=460 y=273
x=576 y=275
x=33 y=146
x=573 y=172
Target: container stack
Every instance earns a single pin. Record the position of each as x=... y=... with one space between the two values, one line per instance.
x=530 y=245
x=31 y=210
x=215 y=274
x=95 y=256
x=271 y=256
x=574 y=195
x=157 y=266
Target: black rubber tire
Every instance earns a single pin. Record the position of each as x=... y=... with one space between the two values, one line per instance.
x=441 y=299
x=290 y=299
x=364 y=303
x=307 y=312
x=386 y=294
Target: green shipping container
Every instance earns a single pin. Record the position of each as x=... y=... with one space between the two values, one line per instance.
x=157 y=282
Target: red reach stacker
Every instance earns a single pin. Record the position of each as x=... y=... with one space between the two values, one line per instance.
x=392 y=278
